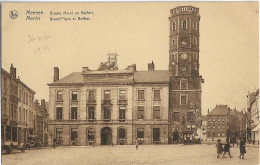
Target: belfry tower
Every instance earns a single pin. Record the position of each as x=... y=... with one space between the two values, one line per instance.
x=185 y=87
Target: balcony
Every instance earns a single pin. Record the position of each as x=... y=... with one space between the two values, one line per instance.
x=121 y=120
x=122 y=102
x=106 y=102
x=91 y=120
x=91 y=102
x=106 y=120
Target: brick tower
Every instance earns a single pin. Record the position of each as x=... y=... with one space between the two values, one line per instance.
x=185 y=87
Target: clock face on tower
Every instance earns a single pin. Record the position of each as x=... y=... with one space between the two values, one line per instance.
x=183 y=56
x=184 y=41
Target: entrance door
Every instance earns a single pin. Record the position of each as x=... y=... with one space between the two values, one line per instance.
x=106 y=136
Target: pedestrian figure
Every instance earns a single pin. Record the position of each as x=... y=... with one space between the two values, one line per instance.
x=219 y=147
x=233 y=141
x=242 y=148
x=238 y=141
x=227 y=149
x=136 y=144
x=54 y=142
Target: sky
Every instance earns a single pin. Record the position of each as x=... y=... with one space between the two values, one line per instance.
x=139 y=33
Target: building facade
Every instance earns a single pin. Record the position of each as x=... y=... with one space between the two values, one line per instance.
x=41 y=127
x=18 y=115
x=253 y=116
x=106 y=107
x=185 y=86
x=225 y=123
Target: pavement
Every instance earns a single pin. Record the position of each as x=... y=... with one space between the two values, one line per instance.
x=127 y=154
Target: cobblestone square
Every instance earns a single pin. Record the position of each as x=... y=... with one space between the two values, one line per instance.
x=127 y=154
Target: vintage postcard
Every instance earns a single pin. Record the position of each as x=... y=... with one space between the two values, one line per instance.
x=129 y=83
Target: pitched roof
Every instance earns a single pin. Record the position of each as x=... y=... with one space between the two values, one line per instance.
x=160 y=76
x=219 y=110
x=157 y=76
x=73 y=78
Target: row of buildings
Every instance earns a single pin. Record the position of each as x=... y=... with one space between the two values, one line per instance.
x=18 y=117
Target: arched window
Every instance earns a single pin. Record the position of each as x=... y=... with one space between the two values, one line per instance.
x=121 y=134
x=184 y=24
x=194 y=41
x=91 y=135
x=173 y=42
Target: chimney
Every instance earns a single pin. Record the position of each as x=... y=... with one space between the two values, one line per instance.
x=43 y=106
x=134 y=67
x=151 y=66
x=13 y=71
x=56 y=74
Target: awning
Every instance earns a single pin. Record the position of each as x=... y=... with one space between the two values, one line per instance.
x=256 y=129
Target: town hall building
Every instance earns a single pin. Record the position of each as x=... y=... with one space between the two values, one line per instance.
x=108 y=106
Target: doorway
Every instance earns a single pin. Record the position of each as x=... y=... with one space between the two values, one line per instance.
x=106 y=136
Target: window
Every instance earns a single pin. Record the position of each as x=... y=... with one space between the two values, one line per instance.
x=184 y=24
x=106 y=95
x=190 y=116
x=156 y=112
x=91 y=113
x=24 y=115
x=59 y=113
x=59 y=135
x=121 y=113
x=184 y=84
x=122 y=95
x=91 y=96
x=176 y=116
x=73 y=134
x=140 y=94
x=140 y=112
x=14 y=134
x=91 y=134
x=121 y=134
x=213 y=134
x=173 y=26
x=20 y=115
x=194 y=41
x=26 y=99
x=218 y=127
x=8 y=133
x=156 y=95
x=59 y=95
x=223 y=134
x=183 y=99
x=74 y=95
x=106 y=113
x=156 y=134
x=74 y=112
x=173 y=42
x=140 y=134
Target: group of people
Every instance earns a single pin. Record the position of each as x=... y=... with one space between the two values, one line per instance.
x=227 y=147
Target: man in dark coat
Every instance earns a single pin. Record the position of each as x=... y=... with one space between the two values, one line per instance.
x=219 y=147
x=242 y=148
x=227 y=149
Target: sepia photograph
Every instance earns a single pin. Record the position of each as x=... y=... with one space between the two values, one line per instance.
x=129 y=83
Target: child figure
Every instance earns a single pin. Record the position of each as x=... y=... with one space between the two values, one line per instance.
x=219 y=148
x=227 y=149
